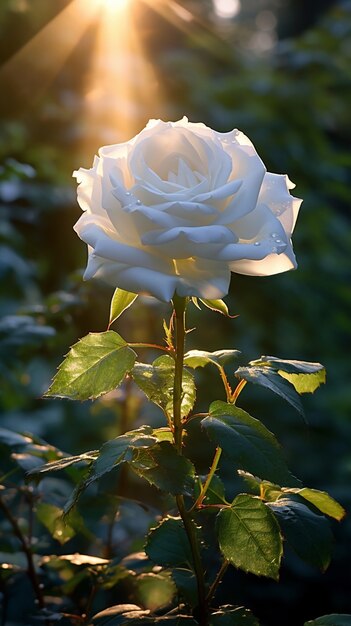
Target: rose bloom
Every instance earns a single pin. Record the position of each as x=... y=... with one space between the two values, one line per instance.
x=179 y=207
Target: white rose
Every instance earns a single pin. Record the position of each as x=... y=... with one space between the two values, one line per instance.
x=179 y=207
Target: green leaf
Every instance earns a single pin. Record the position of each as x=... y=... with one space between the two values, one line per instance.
x=156 y=381
x=200 y=358
x=305 y=383
x=233 y=616
x=186 y=584
x=95 y=365
x=322 y=501
x=304 y=376
x=154 y=591
x=216 y=492
x=112 y=454
x=61 y=464
x=163 y=467
x=288 y=366
x=334 y=619
x=121 y=300
x=163 y=434
x=51 y=517
x=269 y=378
x=307 y=533
x=119 y=615
x=168 y=544
x=249 y=536
x=13 y=439
x=217 y=305
x=248 y=443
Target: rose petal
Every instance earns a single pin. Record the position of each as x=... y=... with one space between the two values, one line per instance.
x=275 y=194
x=136 y=279
x=202 y=279
x=271 y=264
x=109 y=248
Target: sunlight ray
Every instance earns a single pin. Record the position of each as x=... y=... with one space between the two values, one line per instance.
x=26 y=75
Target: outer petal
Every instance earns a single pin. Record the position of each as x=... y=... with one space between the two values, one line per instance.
x=106 y=245
x=89 y=188
x=271 y=264
x=136 y=279
x=275 y=194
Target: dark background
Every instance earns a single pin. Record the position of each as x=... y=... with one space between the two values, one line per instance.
x=280 y=72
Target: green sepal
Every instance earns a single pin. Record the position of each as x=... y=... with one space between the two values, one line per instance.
x=201 y=358
x=307 y=533
x=157 y=380
x=247 y=443
x=249 y=536
x=121 y=300
x=217 y=305
x=168 y=544
x=94 y=366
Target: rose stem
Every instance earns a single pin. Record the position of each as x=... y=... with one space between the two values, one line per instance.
x=179 y=305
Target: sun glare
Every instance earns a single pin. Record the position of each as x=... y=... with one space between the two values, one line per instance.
x=113 y=6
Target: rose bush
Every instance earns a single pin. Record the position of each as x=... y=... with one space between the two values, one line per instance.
x=181 y=206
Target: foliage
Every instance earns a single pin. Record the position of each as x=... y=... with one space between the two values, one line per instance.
x=295 y=104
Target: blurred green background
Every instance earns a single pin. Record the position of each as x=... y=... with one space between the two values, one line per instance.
x=278 y=70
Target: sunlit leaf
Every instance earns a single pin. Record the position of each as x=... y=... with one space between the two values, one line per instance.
x=249 y=536
x=247 y=443
x=51 y=517
x=157 y=380
x=269 y=378
x=154 y=591
x=121 y=300
x=119 y=615
x=322 y=501
x=94 y=366
x=305 y=383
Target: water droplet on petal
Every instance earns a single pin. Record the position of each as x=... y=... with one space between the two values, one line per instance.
x=138 y=202
x=278 y=241
x=274 y=235
x=127 y=193
x=257 y=243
